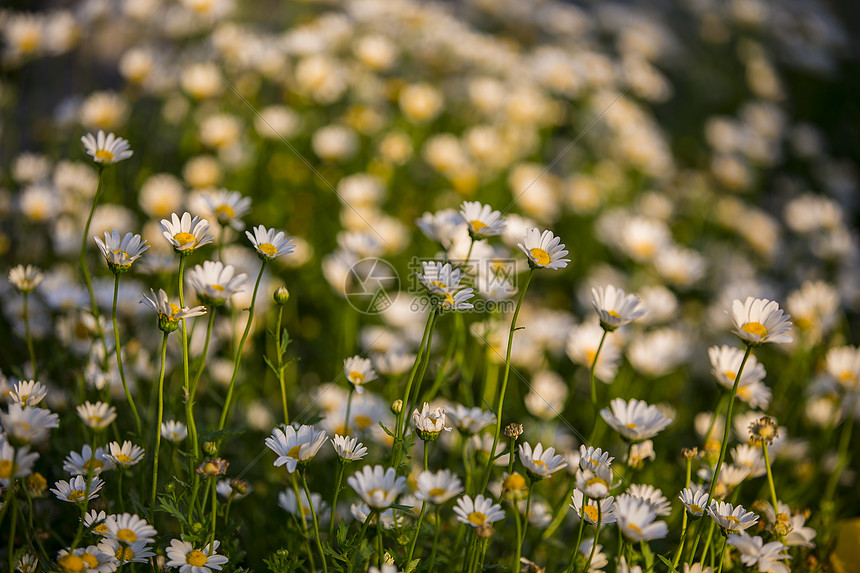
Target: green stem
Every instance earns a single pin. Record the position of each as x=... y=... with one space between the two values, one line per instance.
x=213 y=479
x=303 y=520
x=596 y=537
x=722 y=553
x=128 y=395
x=209 y=326
x=348 y=408
x=316 y=523
x=158 y=426
x=520 y=534
x=29 y=338
x=83 y=259
x=239 y=350
x=337 y=484
x=438 y=530
x=688 y=472
x=592 y=376
x=379 y=547
x=400 y=430
x=844 y=441
x=501 y=402
x=575 y=554
x=281 y=381
x=417 y=532
x=11 y=550
x=770 y=478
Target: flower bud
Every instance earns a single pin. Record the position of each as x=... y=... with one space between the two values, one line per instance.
x=397 y=407
x=281 y=296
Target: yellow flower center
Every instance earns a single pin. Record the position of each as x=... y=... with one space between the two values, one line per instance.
x=437 y=491
x=90 y=559
x=7 y=469
x=540 y=256
x=184 y=238
x=744 y=393
x=224 y=212
x=126 y=535
x=449 y=301
x=477 y=225
x=630 y=426
x=294 y=452
x=124 y=553
x=104 y=155
x=596 y=481
x=695 y=509
x=356 y=377
x=70 y=563
x=782 y=518
x=540 y=463
x=101 y=529
x=120 y=253
x=362 y=422
x=94 y=420
x=756 y=328
x=439 y=284
x=590 y=512
x=613 y=313
x=196 y=558
x=76 y=495
x=376 y=491
x=124 y=459
x=635 y=528
x=267 y=249
x=732 y=519
x=477 y=518
x=644 y=250
x=93 y=464
x=219 y=288
x=730 y=375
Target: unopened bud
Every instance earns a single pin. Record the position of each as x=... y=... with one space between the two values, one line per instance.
x=689 y=453
x=210 y=448
x=397 y=407
x=281 y=296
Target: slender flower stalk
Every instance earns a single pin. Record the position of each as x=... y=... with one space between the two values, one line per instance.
x=128 y=395
x=158 y=424
x=579 y=534
x=204 y=354
x=29 y=338
x=94 y=309
x=238 y=357
x=770 y=477
x=501 y=402
x=596 y=536
x=688 y=459
x=314 y=519
x=337 y=483
x=281 y=298
x=591 y=373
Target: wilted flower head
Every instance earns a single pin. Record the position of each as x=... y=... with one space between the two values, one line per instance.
x=763 y=430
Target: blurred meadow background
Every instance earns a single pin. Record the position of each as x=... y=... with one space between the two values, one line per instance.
x=692 y=153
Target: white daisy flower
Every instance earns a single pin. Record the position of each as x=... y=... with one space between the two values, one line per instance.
x=590 y=458
x=438 y=487
x=96 y=416
x=477 y=512
x=168 y=313
x=287 y=501
x=614 y=307
x=544 y=250
x=173 y=431
x=483 y=222
x=216 y=282
x=540 y=463
x=481 y=444
x=348 y=449
x=457 y=301
x=88 y=559
x=295 y=446
x=440 y=279
x=75 y=490
x=470 y=421
x=732 y=519
x=635 y=420
x=599 y=561
x=129 y=528
x=428 y=424
x=121 y=252
x=759 y=320
x=25 y=279
x=27 y=424
x=97 y=522
x=228 y=207
x=393 y=362
x=843 y=365
x=442 y=226
x=377 y=486
x=28 y=392
x=695 y=502
x=390 y=518
x=136 y=552
x=798 y=535
x=186 y=234
x=636 y=520
x=725 y=363
x=28 y=563
x=106 y=149
x=80 y=464
x=358 y=371
x=125 y=455
x=755 y=553
x=659 y=504
x=595 y=484
x=15 y=462
x=582 y=343
x=270 y=243
x=607 y=508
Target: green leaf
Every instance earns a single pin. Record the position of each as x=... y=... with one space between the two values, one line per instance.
x=667 y=563
x=411 y=566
